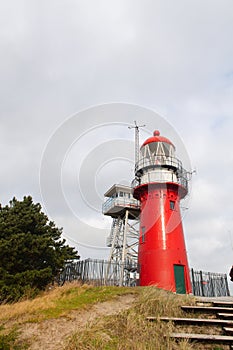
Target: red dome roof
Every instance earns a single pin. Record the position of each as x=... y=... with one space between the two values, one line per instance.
x=157 y=138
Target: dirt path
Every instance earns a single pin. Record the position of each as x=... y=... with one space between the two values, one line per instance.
x=51 y=334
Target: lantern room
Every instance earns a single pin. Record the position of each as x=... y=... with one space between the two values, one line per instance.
x=158 y=163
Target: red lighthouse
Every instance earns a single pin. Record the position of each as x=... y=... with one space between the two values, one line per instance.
x=161 y=182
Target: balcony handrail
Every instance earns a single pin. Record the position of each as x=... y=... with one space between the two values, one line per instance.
x=180 y=178
x=158 y=161
x=120 y=201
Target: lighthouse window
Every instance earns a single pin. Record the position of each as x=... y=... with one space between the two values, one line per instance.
x=153 y=147
x=172 y=205
x=166 y=148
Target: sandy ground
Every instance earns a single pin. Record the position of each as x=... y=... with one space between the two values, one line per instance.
x=52 y=334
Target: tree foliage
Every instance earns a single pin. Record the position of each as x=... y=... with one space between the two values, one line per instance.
x=31 y=249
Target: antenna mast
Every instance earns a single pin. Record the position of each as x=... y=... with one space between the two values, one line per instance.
x=136 y=127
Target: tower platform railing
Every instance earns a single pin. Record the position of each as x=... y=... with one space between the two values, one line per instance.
x=123 y=202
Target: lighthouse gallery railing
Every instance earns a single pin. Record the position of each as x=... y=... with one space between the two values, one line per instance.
x=178 y=175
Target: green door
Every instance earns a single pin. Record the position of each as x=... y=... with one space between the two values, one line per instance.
x=179 y=279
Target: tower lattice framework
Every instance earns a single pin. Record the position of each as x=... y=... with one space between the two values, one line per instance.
x=124 y=234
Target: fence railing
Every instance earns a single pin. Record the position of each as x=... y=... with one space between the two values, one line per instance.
x=97 y=272
x=208 y=284
x=101 y=272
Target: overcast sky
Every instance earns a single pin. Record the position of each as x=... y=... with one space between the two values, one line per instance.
x=174 y=58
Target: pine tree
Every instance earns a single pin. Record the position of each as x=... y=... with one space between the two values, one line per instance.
x=31 y=249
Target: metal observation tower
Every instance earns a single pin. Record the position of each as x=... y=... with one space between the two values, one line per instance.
x=124 y=235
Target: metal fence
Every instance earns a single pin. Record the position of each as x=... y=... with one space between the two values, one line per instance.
x=101 y=272
x=208 y=284
x=97 y=272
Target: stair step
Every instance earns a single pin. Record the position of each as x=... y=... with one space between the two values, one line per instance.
x=228 y=304
x=223 y=303
x=207 y=309
x=228 y=330
x=224 y=300
x=220 y=339
x=197 y=321
x=225 y=315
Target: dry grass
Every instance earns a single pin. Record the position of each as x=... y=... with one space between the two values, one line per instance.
x=58 y=302
x=52 y=304
x=42 y=302
x=131 y=330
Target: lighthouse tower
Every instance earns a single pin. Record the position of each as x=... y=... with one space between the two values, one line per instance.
x=160 y=183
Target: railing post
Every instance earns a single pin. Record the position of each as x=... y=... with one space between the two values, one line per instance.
x=193 y=282
x=226 y=283
x=211 y=285
x=202 y=287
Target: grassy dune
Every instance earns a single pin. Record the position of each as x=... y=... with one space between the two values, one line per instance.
x=126 y=330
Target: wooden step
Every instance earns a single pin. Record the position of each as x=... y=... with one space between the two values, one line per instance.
x=204 y=338
x=206 y=309
x=197 y=321
x=223 y=303
x=225 y=315
x=214 y=299
x=228 y=330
